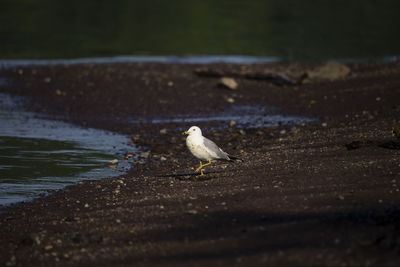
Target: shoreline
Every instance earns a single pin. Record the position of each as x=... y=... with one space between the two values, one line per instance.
x=300 y=197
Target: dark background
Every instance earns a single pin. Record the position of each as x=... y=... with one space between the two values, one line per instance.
x=288 y=29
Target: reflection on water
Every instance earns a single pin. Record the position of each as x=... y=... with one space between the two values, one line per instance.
x=38 y=155
x=286 y=29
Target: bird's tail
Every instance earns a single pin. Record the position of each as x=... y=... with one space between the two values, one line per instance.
x=233 y=158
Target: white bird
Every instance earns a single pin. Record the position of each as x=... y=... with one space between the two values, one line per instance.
x=205 y=149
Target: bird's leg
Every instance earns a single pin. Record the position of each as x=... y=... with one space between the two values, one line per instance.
x=208 y=163
x=199 y=168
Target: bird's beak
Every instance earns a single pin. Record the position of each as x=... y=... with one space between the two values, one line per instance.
x=185 y=132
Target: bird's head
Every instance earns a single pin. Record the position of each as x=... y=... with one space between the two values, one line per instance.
x=194 y=130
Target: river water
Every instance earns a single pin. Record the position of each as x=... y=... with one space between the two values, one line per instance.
x=284 y=29
x=39 y=154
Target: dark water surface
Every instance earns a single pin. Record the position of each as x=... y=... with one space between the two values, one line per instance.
x=287 y=29
x=38 y=155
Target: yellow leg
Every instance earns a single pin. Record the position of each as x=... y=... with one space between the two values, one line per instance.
x=201 y=166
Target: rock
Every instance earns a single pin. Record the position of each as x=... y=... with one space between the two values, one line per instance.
x=192 y=212
x=163 y=131
x=229 y=83
x=163 y=158
x=230 y=100
x=330 y=71
x=144 y=155
x=60 y=93
x=113 y=161
x=128 y=155
x=232 y=123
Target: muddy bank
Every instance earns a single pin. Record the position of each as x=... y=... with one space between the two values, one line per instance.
x=302 y=197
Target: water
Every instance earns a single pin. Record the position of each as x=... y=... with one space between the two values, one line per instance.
x=284 y=29
x=38 y=155
x=244 y=116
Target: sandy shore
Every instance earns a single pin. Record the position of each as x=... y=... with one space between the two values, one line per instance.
x=301 y=197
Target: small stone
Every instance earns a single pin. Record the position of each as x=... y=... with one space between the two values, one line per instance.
x=118 y=220
x=128 y=155
x=192 y=212
x=378 y=99
x=163 y=131
x=48 y=247
x=86 y=205
x=341 y=197
x=324 y=124
x=232 y=123
x=283 y=132
x=144 y=155
x=230 y=100
x=170 y=83
x=228 y=83
x=162 y=158
x=47 y=80
x=113 y=161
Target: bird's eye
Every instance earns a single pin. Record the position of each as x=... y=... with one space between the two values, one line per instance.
x=194 y=129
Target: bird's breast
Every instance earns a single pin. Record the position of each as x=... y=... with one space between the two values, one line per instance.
x=196 y=147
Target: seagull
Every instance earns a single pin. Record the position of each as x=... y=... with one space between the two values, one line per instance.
x=205 y=149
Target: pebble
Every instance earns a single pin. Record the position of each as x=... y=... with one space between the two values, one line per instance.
x=229 y=83
x=113 y=161
x=230 y=100
x=163 y=131
x=128 y=155
x=144 y=155
x=192 y=212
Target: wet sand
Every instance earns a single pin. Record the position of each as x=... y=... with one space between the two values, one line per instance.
x=301 y=197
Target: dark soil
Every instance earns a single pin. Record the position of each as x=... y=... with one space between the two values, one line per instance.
x=324 y=193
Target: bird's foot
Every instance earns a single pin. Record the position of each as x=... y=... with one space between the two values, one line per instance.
x=201 y=166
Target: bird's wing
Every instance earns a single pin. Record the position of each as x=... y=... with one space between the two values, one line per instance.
x=214 y=149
